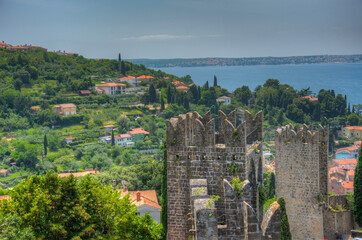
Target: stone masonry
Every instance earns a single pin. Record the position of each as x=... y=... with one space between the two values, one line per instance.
x=201 y=163
x=301 y=171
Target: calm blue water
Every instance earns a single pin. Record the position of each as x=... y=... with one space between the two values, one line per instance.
x=344 y=78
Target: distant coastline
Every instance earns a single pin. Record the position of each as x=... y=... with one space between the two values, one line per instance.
x=249 y=61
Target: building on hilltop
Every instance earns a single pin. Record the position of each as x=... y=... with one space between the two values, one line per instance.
x=79 y=174
x=138 y=134
x=146 y=202
x=352 y=132
x=224 y=100
x=111 y=89
x=66 y=109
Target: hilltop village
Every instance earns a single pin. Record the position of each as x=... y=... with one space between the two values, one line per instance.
x=168 y=157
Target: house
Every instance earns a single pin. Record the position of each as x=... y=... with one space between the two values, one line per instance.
x=145 y=78
x=224 y=100
x=66 y=109
x=310 y=98
x=84 y=92
x=69 y=140
x=79 y=174
x=135 y=115
x=111 y=89
x=352 y=132
x=178 y=83
x=138 y=134
x=131 y=80
x=182 y=88
x=4 y=45
x=146 y=202
x=123 y=140
x=106 y=139
x=345 y=162
x=4 y=173
x=108 y=128
x=340 y=186
x=349 y=152
x=34 y=110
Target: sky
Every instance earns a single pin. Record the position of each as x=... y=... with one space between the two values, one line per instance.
x=185 y=28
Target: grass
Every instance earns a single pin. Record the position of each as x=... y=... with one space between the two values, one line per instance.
x=14 y=175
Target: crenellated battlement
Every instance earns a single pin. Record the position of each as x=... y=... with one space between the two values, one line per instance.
x=304 y=135
x=192 y=129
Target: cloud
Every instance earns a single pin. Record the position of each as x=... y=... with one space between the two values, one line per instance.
x=159 y=37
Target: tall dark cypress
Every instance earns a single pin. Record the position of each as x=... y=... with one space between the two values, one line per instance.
x=119 y=57
x=112 y=139
x=162 y=103
x=284 y=228
x=164 y=192
x=357 y=184
x=45 y=145
x=123 y=68
x=215 y=81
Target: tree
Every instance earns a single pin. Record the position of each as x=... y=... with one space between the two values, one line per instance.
x=162 y=103
x=112 y=143
x=152 y=94
x=45 y=145
x=215 y=81
x=69 y=208
x=353 y=119
x=284 y=228
x=206 y=86
x=357 y=183
x=242 y=95
x=164 y=192
x=119 y=57
x=123 y=68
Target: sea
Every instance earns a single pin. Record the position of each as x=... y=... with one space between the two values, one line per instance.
x=343 y=78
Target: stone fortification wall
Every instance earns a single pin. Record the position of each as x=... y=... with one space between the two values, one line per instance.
x=301 y=170
x=196 y=151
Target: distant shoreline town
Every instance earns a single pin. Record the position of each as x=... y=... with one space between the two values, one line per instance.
x=204 y=62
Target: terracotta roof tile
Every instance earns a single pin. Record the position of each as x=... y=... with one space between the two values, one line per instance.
x=138 y=131
x=78 y=174
x=110 y=85
x=147 y=197
x=346 y=161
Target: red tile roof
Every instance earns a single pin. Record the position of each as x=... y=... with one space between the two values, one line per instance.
x=138 y=131
x=69 y=138
x=66 y=105
x=348 y=185
x=126 y=78
x=84 y=91
x=120 y=136
x=78 y=174
x=354 y=127
x=4 y=170
x=346 y=161
x=145 y=77
x=178 y=83
x=108 y=126
x=182 y=88
x=147 y=197
x=312 y=99
x=110 y=85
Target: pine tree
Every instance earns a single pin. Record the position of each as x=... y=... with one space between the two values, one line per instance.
x=112 y=139
x=45 y=145
x=164 y=192
x=284 y=228
x=215 y=81
x=357 y=184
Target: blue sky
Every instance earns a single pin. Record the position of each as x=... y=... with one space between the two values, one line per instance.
x=185 y=28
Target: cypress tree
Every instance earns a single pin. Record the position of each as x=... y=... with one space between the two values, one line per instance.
x=357 y=184
x=119 y=57
x=152 y=93
x=164 y=192
x=215 y=81
x=112 y=139
x=186 y=102
x=271 y=190
x=123 y=68
x=284 y=223
x=169 y=94
x=45 y=145
x=162 y=103
x=349 y=109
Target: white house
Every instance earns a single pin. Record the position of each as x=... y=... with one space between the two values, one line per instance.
x=131 y=80
x=146 y=202
x=224 y=100
x=124 y=140
x=69 y=140
x=111 y=89
x=108 y=128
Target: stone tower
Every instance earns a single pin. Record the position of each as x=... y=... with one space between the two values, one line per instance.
x=201 y=163
x=301 y=170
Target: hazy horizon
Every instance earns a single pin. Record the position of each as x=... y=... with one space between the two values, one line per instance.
x=169 y=29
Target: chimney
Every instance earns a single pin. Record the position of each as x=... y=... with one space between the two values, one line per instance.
x=138 y=196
